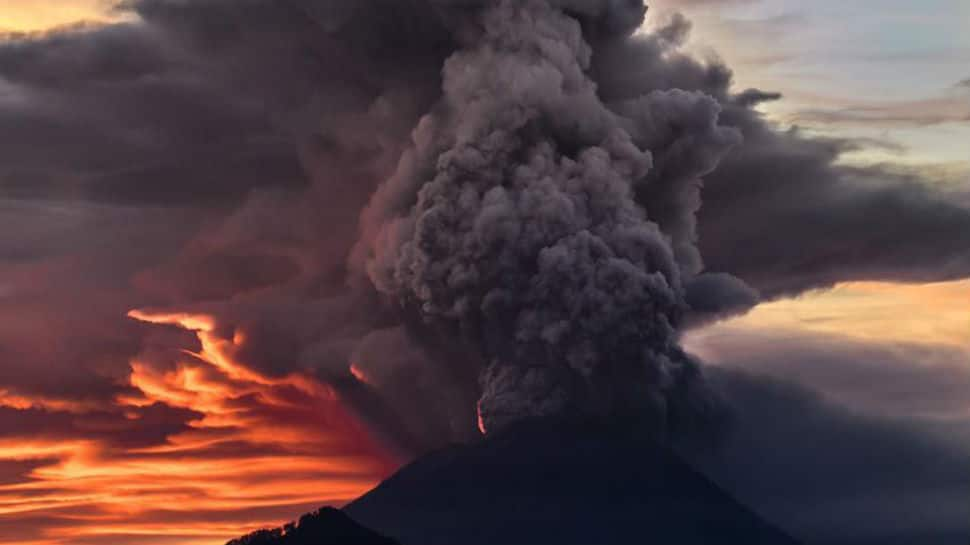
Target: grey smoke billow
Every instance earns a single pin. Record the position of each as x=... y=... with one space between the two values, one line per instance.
x=218 y=156
x=775 y=206
x=519 y=227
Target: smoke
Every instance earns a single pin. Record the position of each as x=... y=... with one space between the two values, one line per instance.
x=382 y=215
x=519 y=228
x=517 y=205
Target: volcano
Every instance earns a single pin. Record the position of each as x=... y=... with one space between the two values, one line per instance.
x=559 y=485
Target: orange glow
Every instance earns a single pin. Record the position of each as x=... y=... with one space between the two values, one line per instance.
x=481 y=421
x=14 y=401
x=359 y=374
x=261 y=451
x=215 y=350
x=32 y=450
x=31 y=16
x=928 y=314
x=192 y=322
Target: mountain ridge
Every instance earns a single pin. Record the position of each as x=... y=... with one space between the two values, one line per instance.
x=539 y=483
x=561 y=484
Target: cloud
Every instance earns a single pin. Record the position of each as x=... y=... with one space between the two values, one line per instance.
x=950 y=105
x=838 y=476
x=705 y=3
x=899 y=380
x=146 y=426
x=798 y=218
x=836 y=223
x=196 y=447
x=921 y=113
x=866 y=438
x=65 y=269
x=40 y=16
x=213 y=159
x=754 y=97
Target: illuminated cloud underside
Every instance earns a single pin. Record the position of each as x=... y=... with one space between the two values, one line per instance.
x=260 y=451
x=21 y=16
x=927 y=314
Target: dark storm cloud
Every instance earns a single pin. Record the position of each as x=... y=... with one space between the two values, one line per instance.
x=137 y=427
x=64 y=273
x=139 y=127
x=832 y=476
x=202 y=101
x=130 y=152
x=867 y=440
x=753 y=97
x=839 y=223
x=715 y=296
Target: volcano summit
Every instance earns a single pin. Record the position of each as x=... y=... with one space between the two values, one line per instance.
x=542 y=483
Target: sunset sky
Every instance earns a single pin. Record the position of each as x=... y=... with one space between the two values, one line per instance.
x=129 y=413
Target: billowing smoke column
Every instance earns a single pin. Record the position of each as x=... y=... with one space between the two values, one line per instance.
x=531 y=173
x=511 y=221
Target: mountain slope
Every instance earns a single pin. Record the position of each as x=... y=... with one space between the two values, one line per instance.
x=563 y=485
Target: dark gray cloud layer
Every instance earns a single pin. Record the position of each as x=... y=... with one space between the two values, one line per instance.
x=896 y=380
x=868 y=441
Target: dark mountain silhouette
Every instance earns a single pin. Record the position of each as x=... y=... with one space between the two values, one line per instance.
x=542 y=484
x=327 y=526
x=559 y=485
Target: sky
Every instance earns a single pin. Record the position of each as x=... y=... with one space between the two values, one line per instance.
x=892 y=74
x=128 y=411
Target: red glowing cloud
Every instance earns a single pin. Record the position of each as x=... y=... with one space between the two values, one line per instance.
x=253 y=451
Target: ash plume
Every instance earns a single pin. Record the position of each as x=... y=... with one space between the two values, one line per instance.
x=521 y=231
x=517 y=204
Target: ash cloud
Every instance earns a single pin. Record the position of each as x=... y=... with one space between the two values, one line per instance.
x=521 y=230
x=780 y=211
x=269 y=130
x=371 y=180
